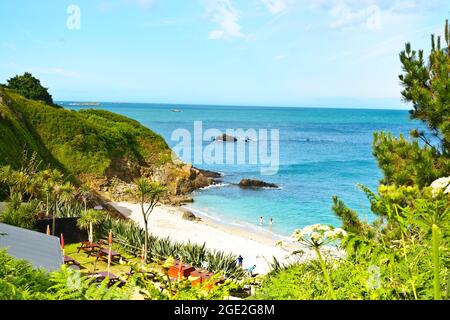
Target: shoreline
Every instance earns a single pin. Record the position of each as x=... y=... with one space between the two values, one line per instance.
x=263 y=234
x=255 y=247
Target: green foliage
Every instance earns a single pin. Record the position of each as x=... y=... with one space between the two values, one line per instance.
x=405 y=162
x=131 y=237
x=349 y=218
x=20 y=215
x=43 y=190
x=68 y=284
x=148 y=194
x=405 y=257
x=88 y=142
x=30 y=87
x=163 y=288
x=305 y=282
x=90 y=219
x=19 y=281
x=426 y=85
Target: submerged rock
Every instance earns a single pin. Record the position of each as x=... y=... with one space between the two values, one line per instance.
x=253 y=183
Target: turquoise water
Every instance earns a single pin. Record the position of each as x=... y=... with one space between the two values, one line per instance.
x=323 y=152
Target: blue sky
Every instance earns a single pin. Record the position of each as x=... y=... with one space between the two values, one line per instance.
x=329 y=53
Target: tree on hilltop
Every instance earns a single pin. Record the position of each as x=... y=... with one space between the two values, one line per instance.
x=30 y=87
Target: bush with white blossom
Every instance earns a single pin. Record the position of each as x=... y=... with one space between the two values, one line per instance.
x=317 y=235
x=441 y=184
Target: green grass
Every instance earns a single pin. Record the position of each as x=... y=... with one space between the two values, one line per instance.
x=88 y=262
x=92 y=142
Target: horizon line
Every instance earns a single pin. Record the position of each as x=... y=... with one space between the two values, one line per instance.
x=405 y=108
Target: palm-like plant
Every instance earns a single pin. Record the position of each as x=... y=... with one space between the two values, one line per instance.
x=131 y=237
x=85 y=194
x=88 y=220
x=148 y=194
x=67 y=200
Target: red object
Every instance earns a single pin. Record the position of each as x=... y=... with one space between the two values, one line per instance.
x=62 y=241
x=202 y=276
x=110 y=250
x=180 y=270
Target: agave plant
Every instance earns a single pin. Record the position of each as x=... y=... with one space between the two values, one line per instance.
x=131 y=237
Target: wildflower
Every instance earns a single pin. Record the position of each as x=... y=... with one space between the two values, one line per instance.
x=441 y=184
x=316 y=236
x=330 y=234
x=323 y=228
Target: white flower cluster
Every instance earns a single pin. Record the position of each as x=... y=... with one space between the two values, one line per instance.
x=441 y=184
x=318 y=234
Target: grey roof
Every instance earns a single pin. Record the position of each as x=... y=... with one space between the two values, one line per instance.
x=41 y=250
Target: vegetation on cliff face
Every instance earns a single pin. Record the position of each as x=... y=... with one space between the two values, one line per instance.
x=30 y=87
x=89 y=142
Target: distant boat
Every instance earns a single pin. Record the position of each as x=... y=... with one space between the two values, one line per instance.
x=176 y=110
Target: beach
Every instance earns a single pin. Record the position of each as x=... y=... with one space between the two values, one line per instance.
x=257 y=248
x=322 y=153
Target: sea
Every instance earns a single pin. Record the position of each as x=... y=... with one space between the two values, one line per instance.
x=320 y=153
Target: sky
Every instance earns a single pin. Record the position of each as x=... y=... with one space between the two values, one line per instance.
x=305 y=53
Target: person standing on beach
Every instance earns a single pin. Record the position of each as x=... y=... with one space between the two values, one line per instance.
x=261 y=221
x=240 y=260
x=250 y=270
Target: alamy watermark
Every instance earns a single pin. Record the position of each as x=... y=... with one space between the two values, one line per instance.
x=74 y=19
x=259 y=147
x=374 y=281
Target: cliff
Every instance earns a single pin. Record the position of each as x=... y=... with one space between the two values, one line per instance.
x=98 y=147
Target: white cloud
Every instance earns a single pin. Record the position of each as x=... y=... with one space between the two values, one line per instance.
x=345 y=16
x=226 y=16
x=385 y=5
x=367 y=13
x=275 y=6
x=143 y=3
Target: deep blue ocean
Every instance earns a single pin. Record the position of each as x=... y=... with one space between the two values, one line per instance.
x=323 y=152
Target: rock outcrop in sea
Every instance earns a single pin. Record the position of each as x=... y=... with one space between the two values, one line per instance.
x=226 y=138
x=255 y=184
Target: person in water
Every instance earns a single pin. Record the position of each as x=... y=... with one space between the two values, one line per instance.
x=261 y=221
x=240 y=260
x=271 y=221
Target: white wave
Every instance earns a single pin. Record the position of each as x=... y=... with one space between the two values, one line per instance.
x=213 y=186
x=204 y=212
x=272 y=188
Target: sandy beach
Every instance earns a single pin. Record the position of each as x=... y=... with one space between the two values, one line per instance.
x=255 y=247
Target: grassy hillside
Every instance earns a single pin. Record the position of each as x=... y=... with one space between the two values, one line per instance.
x=89 y=142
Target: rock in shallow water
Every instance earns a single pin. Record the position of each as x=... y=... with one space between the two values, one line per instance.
x=253 y=183
x=187 y=215
x=226 y=138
